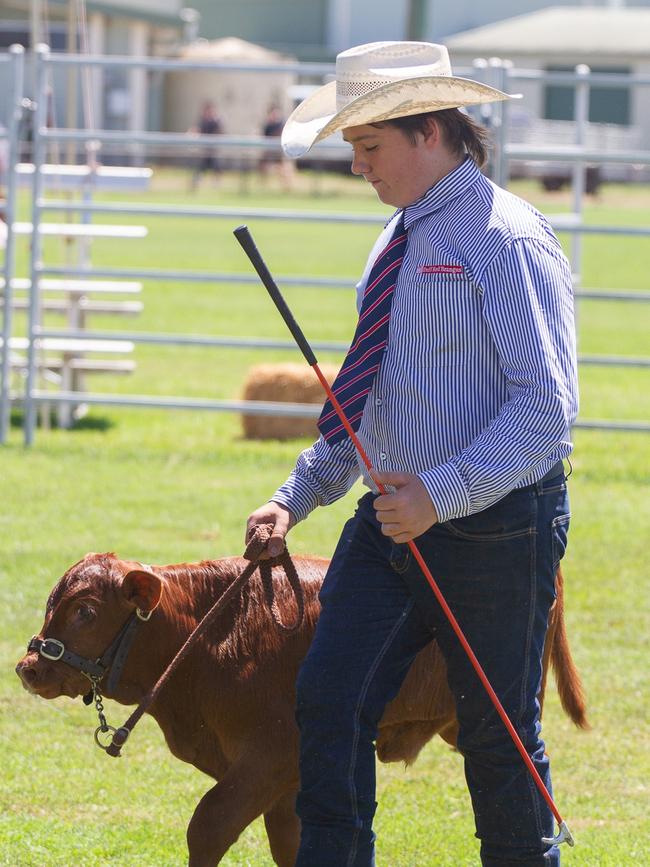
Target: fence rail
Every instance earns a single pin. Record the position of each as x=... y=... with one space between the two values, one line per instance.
x=265 y=343
x=560 y=222
x=253 y=407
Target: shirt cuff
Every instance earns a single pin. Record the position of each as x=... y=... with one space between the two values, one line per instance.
x=447 y=491
x=296 y=495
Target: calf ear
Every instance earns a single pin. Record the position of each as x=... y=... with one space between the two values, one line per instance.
x=142 y=589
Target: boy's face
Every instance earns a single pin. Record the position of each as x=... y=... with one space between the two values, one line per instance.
x=400 y=171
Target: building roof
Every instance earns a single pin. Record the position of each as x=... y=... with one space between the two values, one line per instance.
x=573 y=31
x=230 y=49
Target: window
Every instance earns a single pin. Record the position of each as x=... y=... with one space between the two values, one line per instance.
x=606 y=104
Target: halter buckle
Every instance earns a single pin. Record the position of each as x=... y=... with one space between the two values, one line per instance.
x=52 y=654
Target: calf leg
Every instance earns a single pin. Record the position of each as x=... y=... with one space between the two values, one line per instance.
x=247 y=790
x=283 y=830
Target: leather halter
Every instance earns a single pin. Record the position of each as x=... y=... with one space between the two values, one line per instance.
x=112 y=659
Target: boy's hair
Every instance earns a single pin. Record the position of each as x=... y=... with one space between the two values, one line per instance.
x=460 y=131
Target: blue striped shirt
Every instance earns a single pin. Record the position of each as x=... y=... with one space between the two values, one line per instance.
x=477 y=389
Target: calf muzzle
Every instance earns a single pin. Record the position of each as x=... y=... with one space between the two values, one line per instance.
x=54 y=650
x=112 y=660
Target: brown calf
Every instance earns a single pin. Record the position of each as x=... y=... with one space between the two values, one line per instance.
x=228 y=709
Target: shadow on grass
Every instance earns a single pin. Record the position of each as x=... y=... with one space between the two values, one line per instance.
x=87 y=423
x=93 y=422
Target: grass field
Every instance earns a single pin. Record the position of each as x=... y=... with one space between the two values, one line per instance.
x=169 y=486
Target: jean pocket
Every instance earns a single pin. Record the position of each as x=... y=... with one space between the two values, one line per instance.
x=510 y=518
x=559 y=536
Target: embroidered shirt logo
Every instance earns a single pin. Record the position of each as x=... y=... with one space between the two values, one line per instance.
x=440 y=269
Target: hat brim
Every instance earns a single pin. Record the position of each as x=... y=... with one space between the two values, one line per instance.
x=316 y=117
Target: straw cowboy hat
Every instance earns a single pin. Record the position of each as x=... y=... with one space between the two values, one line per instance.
x=379 y=81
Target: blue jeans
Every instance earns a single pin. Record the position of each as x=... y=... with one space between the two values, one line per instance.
x=496 y=570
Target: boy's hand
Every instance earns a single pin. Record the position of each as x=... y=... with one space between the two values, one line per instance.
x=407 y=513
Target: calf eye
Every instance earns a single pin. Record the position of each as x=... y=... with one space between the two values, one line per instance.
x=85 y=613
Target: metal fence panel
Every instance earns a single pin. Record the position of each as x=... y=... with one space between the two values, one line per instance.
x=499 y=73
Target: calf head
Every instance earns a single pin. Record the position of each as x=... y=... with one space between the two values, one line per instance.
x=89 y=607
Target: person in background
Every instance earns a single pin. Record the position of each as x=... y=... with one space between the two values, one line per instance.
x=274 y=160
x=461 y=382
x=209 y=123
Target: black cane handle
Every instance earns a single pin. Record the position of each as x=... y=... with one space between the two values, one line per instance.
x=246 y=240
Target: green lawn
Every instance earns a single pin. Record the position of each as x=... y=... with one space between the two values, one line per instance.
x=169 y=486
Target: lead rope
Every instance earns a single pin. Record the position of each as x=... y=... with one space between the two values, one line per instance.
x=253 y=551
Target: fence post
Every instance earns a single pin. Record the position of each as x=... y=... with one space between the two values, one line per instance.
x=581 y=116
x=17 y=59
x=38 y=155
x=504 y=85
x=496 y=118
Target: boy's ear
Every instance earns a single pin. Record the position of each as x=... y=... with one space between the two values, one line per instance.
x=431 y=131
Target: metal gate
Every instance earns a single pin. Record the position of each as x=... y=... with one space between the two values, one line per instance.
x=496 y=73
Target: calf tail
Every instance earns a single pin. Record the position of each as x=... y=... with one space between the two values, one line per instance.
x=569 y=684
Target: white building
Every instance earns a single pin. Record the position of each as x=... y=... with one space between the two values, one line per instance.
x=557 y=39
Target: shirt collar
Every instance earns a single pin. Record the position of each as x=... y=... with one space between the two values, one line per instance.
x=448 y=188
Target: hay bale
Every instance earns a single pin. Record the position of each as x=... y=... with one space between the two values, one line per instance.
x=286 y=383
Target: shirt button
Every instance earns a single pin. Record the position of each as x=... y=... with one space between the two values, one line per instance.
x=378 y=401
x=383 y=456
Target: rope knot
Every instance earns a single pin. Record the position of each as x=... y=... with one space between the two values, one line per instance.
x=258 y=542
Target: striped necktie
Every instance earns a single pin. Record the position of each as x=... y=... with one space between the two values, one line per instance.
x=355 y=378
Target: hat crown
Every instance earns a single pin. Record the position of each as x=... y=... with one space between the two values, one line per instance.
x=378 y=82
x=364 y=68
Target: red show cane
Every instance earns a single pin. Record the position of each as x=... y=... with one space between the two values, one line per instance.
x=246 y=240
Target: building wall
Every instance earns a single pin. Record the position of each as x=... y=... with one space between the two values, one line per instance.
x=120 y=98
x=378 y=20
x=309 y=29
x=242 y=98
x=318 y=29
x=155 y=8
x=296 y=26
